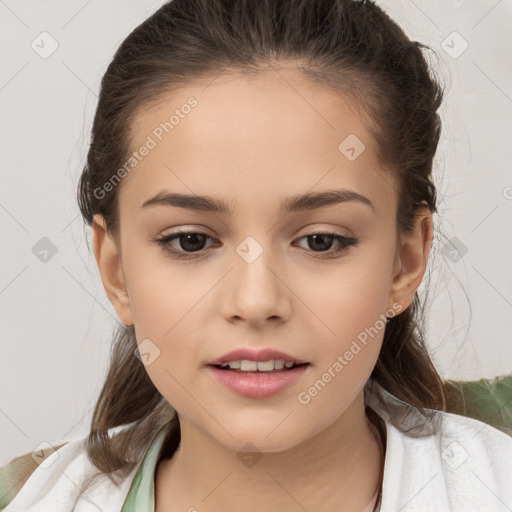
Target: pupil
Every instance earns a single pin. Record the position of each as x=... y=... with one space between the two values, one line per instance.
x=193 y=237
x=323 y=244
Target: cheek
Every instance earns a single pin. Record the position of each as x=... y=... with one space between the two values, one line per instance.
x=348 y=299
x=167 y=300
x=347 y=329
x=164 y=312
x=162 y=292
x=347 y=341
x=346 y=335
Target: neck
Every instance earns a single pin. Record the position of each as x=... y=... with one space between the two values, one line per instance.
x=340 y=469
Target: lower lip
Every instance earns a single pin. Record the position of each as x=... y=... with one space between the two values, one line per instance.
x=258 y=384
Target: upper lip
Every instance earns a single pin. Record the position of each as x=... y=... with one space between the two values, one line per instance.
x=248 y=354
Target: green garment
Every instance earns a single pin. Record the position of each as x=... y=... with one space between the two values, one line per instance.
x=486 y=400
x=141 y=497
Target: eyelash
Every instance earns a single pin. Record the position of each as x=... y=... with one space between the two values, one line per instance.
x=164 y=241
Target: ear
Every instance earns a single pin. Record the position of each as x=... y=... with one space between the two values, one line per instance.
x=109 y=263
x=411 y=261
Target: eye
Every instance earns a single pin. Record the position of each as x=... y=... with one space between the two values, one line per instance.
x=323 y=241
x=193 y=241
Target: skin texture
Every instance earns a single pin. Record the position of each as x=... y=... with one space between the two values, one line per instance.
x=254 y=141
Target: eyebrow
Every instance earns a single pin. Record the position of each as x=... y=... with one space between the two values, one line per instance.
x=307 y=201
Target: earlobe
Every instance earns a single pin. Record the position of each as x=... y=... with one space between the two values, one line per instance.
x=109 y=264
x=412 y=259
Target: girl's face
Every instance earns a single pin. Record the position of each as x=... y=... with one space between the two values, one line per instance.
x=258 y=279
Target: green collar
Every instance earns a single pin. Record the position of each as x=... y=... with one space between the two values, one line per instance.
x=141 y=497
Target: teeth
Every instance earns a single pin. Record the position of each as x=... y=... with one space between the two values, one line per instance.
x=262 y=366
x=249 y=366
x=278 y=364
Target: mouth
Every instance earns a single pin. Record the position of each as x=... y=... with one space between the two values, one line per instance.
x=253 y=367
x=249 y=381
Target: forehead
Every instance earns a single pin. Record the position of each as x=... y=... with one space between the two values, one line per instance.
x=252 y=140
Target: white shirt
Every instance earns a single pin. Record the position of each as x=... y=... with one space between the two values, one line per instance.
x=465 y=467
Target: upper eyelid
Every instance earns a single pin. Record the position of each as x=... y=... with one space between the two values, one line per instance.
x=199 y=231
x=204 y=230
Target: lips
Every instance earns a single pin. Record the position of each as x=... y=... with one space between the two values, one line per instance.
x=265 y=354
x=258 y=384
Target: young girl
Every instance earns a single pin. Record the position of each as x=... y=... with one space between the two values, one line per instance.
x=259 y=189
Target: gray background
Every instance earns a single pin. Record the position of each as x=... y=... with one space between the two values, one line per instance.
x=57 y=322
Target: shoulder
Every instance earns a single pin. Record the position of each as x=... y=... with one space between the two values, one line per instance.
x=56 y=479
x=464 y=466
x=441 y=461
x=16 y=473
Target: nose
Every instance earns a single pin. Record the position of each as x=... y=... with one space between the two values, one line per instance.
x=255 y=289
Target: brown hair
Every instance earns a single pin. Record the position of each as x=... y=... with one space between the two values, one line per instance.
x=351 y=46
